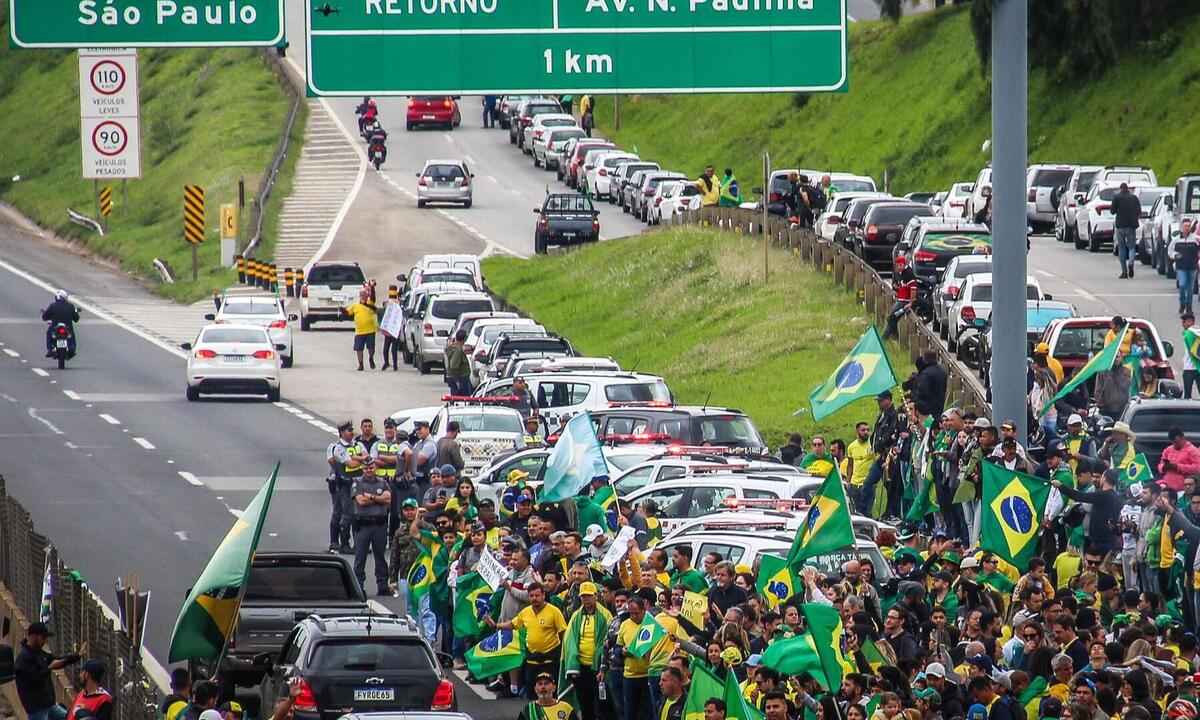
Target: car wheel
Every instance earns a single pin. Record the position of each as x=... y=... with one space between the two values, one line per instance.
x=1080 y=243
x=193 y=394
x=422 y=366
x=535 y=161
x=1160 y=261
x=539 y=245
x=274 y=394
x=420 y=203
x=1144 y=256
x=1059 y=235
x=952 y=343
x=467 y=204
x=289 y=360
x=408 y=126
x=305 y=324
x=1093 y=245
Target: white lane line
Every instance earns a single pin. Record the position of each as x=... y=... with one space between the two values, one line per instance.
x=41 y=372
x=71 y=394
x=109 y=419
x=183 y=536
x=1043 y=273
x=492 y=178
x=144 y=443
x=11 y=353
x=191 y=478
x=33 y=414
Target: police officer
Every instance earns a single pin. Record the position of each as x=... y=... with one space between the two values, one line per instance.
x=424 y=457
x=345 y=457
x=391 y=465
x=372 y=503
x=533 y=435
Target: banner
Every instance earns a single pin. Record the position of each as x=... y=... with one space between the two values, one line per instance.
x=491 y=570
x=393 y=320
x=619 y=547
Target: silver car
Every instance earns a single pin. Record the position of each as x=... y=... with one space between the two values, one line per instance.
x=444 y=181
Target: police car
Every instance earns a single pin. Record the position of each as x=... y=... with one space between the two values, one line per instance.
x=487 y=427
x=745 y=548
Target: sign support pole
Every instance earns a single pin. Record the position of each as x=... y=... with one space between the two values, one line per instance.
x=1010 y=96
x=766 y=238
x=195 y=263
x=96 y=199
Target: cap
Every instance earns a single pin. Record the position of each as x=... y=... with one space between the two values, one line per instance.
x=233 y=707
x=210 y=714
x=517 y=476
x=435 y=470
x=982 y=422
x=919 y=678
x=1008 y=425
x=39 y=628
x=593 y=531
x=343 y=427
x=1003 y=679
x=732 y=656
x=980 y=661
x=1042 y=348
x=478 y=528
x=409 y=503
x=544 y=676
x=885 y=395
x=906 y=531
x=387 y=423
x=449 y=469
x=905 y=554
x=950 y=412
x=929 y=695
x=935 y=669
x=587 y=588
x=1075 y=419
x=1163 y=621
x=951 y=557
x=969 y=562
x=558 y=535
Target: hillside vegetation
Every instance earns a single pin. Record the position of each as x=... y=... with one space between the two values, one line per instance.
x=919 y=106
x=208 y=117
x=690 y=305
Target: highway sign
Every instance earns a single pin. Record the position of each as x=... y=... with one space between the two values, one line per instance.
x=229 y=221
x=140 y=23
x=575 y=46
x=193 y=214
x=110 y=132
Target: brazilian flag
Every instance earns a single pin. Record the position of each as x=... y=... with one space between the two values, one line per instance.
x=704 y=687
x=1100 y=362
x=1137 y=471
x=826 y=526
x=210 y=611
x=606 y=498
x=1191 y=341
x=866 y=371
x=420 y=576
x=825 y=627
x=497 y=653
x=1013 y=507
x=776 y=581
x=736 y=706
x=471 y=605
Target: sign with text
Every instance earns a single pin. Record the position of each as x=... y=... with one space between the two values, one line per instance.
x=145 y=23
x=491 y=570
x=461 y=47
x=110 y=131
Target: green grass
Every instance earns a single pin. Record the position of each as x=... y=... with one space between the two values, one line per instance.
x=690 y=305
x=919 y=106
x=208 y=118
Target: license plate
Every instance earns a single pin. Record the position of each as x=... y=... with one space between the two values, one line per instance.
x=234 y=358
x=62 y=344
x=426 y=117
x=568 y=235
x=338 y=298
x=374 y=694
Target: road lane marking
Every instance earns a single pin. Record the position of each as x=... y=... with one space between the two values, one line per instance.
x=144 y=443
x=191 y=479
x=109 y=419
x=41 y=372
x=71 y=394
x=11 y=353
x=183 y=536
x=33 y=414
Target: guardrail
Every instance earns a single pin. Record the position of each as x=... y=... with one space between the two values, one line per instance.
x=79 y=621
x=849 y=270
x=268 y=183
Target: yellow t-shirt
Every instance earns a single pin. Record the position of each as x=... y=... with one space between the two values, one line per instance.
x=1066 y=566
x=558 y=711
x=863 y=455
x=668 y=703
x=635 y=667
x=366 y=319
x=542 y=630
x=587 y=640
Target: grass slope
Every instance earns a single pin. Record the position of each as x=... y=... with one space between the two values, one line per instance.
x=208 y=118
x=919 y=106
x=690 y=305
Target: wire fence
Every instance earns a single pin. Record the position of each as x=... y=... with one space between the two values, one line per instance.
x=79 y=621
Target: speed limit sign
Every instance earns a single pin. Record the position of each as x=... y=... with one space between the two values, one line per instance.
x=110 y=138
x=108 y=104
x=111 y=148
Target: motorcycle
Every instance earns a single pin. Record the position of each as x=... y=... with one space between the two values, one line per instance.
x=62 y=342
x=376 y=153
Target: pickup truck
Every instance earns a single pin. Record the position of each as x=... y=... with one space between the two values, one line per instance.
x=565 y=219
x=283 y=589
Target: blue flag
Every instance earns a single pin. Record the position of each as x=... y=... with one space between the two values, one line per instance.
x=575 y=461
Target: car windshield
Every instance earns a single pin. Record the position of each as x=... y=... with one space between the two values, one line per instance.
x=840 y=204
x=567 y=134
x=557 y=122
x=441 y=173
x=250 y=307
x=1051 y=177
x=1085 y=181
x=955 y=243
x=491 y=332
x=624 y=462
x=1155 y=420
x=853 y=186
x=1147 y=197
x=859 y=209
x=233 y=335
x=899 y=215
x=456 y=277
x=534 y=345
x=728 y=429
x=531 y=109
x=615 y=161
x=1106 y=193
x=488 y=422
x=638 y=392
x=568 y=203
x=983 y=293
x=780 y=184
x=451 y=309
x=307 y=582
x=336 y=275
x=964 y=269
x=372 y=654
x=1132 y=177
x=582 y=150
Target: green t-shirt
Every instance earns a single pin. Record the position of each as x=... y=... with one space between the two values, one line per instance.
x=690 y=579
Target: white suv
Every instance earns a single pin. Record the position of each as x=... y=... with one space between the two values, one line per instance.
x=560 y=396
x=328 y=287
x=485 y=431
x=436 y=319
x=974 y=300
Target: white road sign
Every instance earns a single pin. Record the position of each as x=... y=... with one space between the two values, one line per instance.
x=108 y=106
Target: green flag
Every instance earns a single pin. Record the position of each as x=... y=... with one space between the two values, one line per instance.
x=647 y=637
x=736 y=707
x=1100 y=362
x=497 y=653
x=864 y=372
x=471 y=598
x=827 y=526
x=210 y=611
x=825 y=627
x=705 y=686
x=1013 y=507
x=1137 y=471
x=420 y=577
x=794 y=655
x=776 y=580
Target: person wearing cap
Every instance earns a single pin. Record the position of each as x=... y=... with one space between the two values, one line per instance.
x=449 y=449
x=424 y=456
x=405 y=547
x=547 y=706
x=583 y=648
x=388 y=454
x=372 y=503
x=32 y=668
x=231 y=710
x=440 y=491
x=1042 y=351
x=534 y=433
x=346 y=457
x=92 y=701
x=948 y=693
x=1078 y=442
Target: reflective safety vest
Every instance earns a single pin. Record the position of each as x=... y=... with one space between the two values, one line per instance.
x=387 y=472
x=352 y=470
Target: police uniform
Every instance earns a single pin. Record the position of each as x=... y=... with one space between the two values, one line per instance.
x=341 y=478
x=370 y=531
x=400 y=487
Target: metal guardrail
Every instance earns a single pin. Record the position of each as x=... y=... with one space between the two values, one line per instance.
x=268 y=184
x=849 y=270
x=78 y=617
x=84 y=221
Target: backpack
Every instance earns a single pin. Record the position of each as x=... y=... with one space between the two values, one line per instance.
x=816 y=197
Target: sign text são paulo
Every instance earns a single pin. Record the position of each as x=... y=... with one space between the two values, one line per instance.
x=145 y=23
x=412 y=47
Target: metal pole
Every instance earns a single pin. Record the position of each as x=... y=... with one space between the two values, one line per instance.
x=96 y=196
x=616 y=112
x=765 y=194
x=195 y=264
x=1010 y=96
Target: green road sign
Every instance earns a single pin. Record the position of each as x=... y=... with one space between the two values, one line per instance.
x=412 y=47
x=144 y=23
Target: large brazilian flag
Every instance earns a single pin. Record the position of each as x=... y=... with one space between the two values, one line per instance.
x=827 y=525
x=866 y=371
x=211 y=610
x=1014 y=505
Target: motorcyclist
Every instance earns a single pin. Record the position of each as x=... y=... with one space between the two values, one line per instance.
x=377 y=140
x=63 y=311
x=367 y=112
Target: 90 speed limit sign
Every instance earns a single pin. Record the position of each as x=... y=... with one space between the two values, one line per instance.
x=111 y=148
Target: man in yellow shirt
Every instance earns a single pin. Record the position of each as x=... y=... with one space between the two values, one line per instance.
x=544 y=625
x=635 y=688
x=859 y=458
x=366 y=324
x=710 y=187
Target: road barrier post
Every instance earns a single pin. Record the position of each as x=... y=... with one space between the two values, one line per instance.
x=240 y=262
x=274 y=278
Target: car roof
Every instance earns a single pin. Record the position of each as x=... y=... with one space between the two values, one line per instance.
x=986 y=278
x=441 y=297
x=1156 y=404
x=248 y=299
x=334 y=263
x=234 y=326
x=670 y=409
x=714 y=479
x=355 y=626
x=944 y=225
x=482 y=408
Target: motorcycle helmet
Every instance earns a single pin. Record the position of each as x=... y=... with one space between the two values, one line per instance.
x=1181 y=710
x=60 y=294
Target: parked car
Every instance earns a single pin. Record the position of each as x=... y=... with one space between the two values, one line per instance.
x=880 y=230
x=1128 y=174
x=684 y=196
x=834 y=215
x=840 y=182
x=600 y=177
x=981 y=190
x=445 y=181
x=948 y=288
x=1073 y=341
x=625 y=177
x=690 y=425
x=936 y=243
x=1070 y=196
x=1095 y=219
x=441 y=110
x=572 y=174
x=954 y=206
x=1038 y=316
x=1151 y=420
x=560 y=395
x=485 y=431
x=565 y=219
x=745 y=548
x=1042 y=182
x=436 y=319
x=1184 y=204
x=547 y=145
x=852 y=218
x=649 y=188
x=974 y=301
x=541 y=125
x=523 y=118
x=329 y=286
x=1144 y=243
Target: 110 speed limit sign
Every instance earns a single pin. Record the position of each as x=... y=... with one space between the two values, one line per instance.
x=108 y=104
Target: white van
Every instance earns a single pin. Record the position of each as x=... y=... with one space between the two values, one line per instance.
x=560 y=396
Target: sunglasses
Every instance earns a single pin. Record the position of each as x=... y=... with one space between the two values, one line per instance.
x=1031 y=636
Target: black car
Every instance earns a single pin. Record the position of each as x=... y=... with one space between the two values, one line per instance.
x=356 y=664
x=1151 y=420
x=565 y=219
x=511 y=344
x=880 y=229
x=852 y=218
x=935 y=243
x=690 y=425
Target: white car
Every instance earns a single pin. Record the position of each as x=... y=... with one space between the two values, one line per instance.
x=467 y=320
x=1094 y=220
x=661 y=195
x=485 y=431
x=835 y=209
x=562 y=395
x=1069 y=200
x=974 y=301
x=491 y=480
x=264 y=310
x=484 y=334
x=981 y=190
x=944 y=295
x=435 y=318
x=747 y=517
x=1154 y=213
x=548 y=148
x=329 y=287
x=1041 y=186
x=407 y=419
x=446 y=261
x=691 y=497
x=682 y=198
x=676 y=464
x=954 y=207
x=745 y=548
x=604 y=167
x=230 y=359
x=541 y=125
x=840 y=182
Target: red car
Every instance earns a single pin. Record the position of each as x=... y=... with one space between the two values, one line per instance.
x=1073 y=340
x=433 y=110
